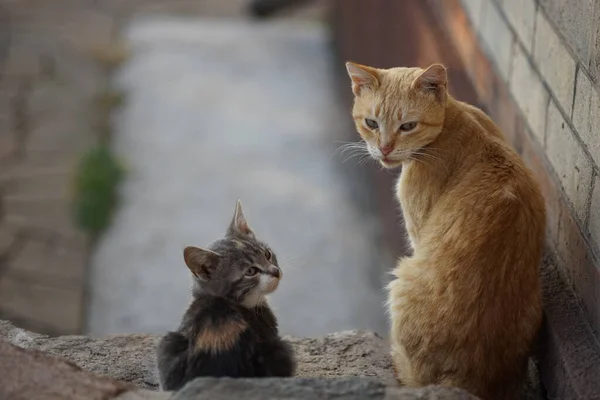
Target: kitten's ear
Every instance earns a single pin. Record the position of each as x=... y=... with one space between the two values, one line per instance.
x=239 y=226
x=201 y=262
x=362 y=77
x=433 y=80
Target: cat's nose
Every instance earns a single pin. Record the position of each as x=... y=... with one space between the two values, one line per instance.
x=387 y=149
x=275 y=272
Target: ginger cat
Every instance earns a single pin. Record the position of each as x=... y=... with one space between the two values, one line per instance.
x=466 y=306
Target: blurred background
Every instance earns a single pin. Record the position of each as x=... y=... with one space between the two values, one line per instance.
x=128 y=129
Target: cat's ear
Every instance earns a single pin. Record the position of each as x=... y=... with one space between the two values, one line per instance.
x=362 y=77
x=201 y=262
x=239 y=225
x=433 y=80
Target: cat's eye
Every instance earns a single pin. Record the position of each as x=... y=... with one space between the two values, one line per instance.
x=371 y=123
x=268 y=254
x=409 y=126
x=252 y=271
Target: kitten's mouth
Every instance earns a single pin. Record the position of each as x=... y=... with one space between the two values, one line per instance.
x=272 y=285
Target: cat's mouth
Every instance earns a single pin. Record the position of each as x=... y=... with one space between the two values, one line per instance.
x=390 y=163
x=271 y=285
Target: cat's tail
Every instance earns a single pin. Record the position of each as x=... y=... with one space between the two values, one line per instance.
x=171 y=360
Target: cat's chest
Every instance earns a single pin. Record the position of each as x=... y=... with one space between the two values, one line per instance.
x=414 y=197
x=262 y=322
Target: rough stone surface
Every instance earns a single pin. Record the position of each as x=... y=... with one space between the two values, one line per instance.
x=310 y=389
x=343 y=366
x=570 y=353
x=33 y=375
x=317 y=389
x=130 y=358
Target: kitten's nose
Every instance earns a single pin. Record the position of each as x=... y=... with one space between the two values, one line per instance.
x=387 y=149
x=275 y=272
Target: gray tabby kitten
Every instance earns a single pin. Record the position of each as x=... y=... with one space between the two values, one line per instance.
x=228 y=329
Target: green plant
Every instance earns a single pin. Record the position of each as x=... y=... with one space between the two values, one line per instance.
x=110 y=56
x=96 y=187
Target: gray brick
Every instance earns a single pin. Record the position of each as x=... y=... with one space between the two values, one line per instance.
x=52 y=209
x=45 y=228
x=575 y=20
x=50 y=262
x=595 y=43
x=521 y=14
x=7 y=238
x=594 y=226
x=21 y=61
x=498 y=39
x=586 y=114
x=60 y=134
x=555 y=63
x=58 y=308
x=41 y=182
x=570 y=163
x=529 y=93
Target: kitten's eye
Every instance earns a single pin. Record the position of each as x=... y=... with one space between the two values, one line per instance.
x=409 y=126
x=268 y=254
x=252 y=271
x=371 y=123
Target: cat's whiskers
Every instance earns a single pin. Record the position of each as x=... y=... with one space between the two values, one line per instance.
x=438 y=160
x=355 y=150
x=288 y=263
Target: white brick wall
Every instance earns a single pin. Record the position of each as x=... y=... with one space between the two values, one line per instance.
x=497 y=37
x=521 y=15
x=537 y=46
x=594 y=225
x=554 y=62
x=586 y=114
x=529 y=93
x=569 y=161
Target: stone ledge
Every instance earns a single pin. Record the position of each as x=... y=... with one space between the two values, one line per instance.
x=351 y=388
x=343 y=366
x=130 y=358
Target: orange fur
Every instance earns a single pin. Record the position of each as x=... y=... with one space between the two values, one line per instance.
x=220 y=338
x=466 y=306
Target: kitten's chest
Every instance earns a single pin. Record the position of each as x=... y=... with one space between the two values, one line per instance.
x=263 y=322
